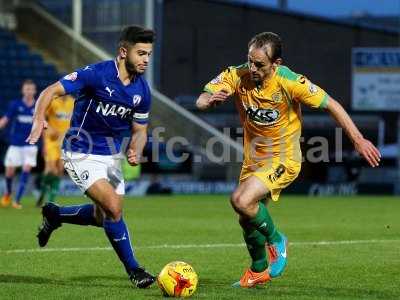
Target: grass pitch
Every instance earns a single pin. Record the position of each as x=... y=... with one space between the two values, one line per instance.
x=340 y=248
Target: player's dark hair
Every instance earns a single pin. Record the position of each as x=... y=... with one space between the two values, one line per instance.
x=28 y=81
x=136 y=34
x=268 y=39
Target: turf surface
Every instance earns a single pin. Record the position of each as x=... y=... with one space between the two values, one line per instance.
x=361 y=259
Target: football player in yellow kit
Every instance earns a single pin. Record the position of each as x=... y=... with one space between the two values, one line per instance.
x=268 y=97
x=58 y=117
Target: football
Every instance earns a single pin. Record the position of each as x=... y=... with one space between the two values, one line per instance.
x=177 y=279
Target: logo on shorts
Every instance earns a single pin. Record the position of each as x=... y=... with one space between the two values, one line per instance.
x=277 y=173
x=85 y=175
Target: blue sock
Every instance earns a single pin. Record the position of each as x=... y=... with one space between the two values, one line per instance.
x=118 y=235
x=23 y=179
x=9 y=181
x=78 y=214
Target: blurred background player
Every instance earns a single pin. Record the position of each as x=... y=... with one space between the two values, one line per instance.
x=268 y=96
x=114 y=98
x=58 y=118
x=19 y=153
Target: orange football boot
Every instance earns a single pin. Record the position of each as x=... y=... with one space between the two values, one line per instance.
x=6 y=200
x=251 y=279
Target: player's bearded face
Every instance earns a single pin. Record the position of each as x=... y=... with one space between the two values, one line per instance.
x=137 y=57
x=260 y=64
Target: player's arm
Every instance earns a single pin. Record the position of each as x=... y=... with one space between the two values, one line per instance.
x=3 y=122
x=136 y=146
x=207 y=100
x=363 y=146
x=218 y=90
x=313 y=96
x=43 y=102
x=9 y=115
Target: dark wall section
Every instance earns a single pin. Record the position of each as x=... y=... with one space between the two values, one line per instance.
x=200 y=38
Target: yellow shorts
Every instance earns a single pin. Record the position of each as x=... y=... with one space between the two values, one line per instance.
x=275 y=175
x=52 y=150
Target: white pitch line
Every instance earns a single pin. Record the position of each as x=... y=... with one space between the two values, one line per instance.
x=190 y=246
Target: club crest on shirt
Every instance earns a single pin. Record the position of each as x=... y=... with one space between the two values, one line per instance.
x=277 y=97
x=136 y=100
x=72 y=76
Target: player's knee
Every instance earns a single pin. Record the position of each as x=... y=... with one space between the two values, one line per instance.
x=239 y=202
x=10 y=172
x=27 y=168
x=113 y=212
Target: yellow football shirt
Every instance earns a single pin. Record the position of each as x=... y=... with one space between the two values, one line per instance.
x=271 y=113
x=59 y=113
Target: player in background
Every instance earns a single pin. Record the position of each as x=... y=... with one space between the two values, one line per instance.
x=268 y=96
x=19 y=153
x=113 y=98
x=58 y=117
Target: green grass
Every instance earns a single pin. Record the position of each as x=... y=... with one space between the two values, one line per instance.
x=368 y=270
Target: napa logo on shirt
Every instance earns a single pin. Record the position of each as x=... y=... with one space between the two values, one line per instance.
x=109 y=109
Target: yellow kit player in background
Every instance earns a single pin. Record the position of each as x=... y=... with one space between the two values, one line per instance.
x=58 y=117
x=268 y=97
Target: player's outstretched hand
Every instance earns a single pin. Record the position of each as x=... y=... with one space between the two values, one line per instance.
x=36 y=131
x=133 y=158
x=370 y=153
x=218 y=98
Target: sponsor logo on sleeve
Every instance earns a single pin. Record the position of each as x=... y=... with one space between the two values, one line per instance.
x=71 y=77
x=217 y=79
x=312 y=88
x=136 y=100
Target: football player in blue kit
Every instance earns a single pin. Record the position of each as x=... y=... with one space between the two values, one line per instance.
x=19 y=154
x=112 y=98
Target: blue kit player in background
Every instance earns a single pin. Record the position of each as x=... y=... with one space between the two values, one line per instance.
x=112 y=98
x=19 y=153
